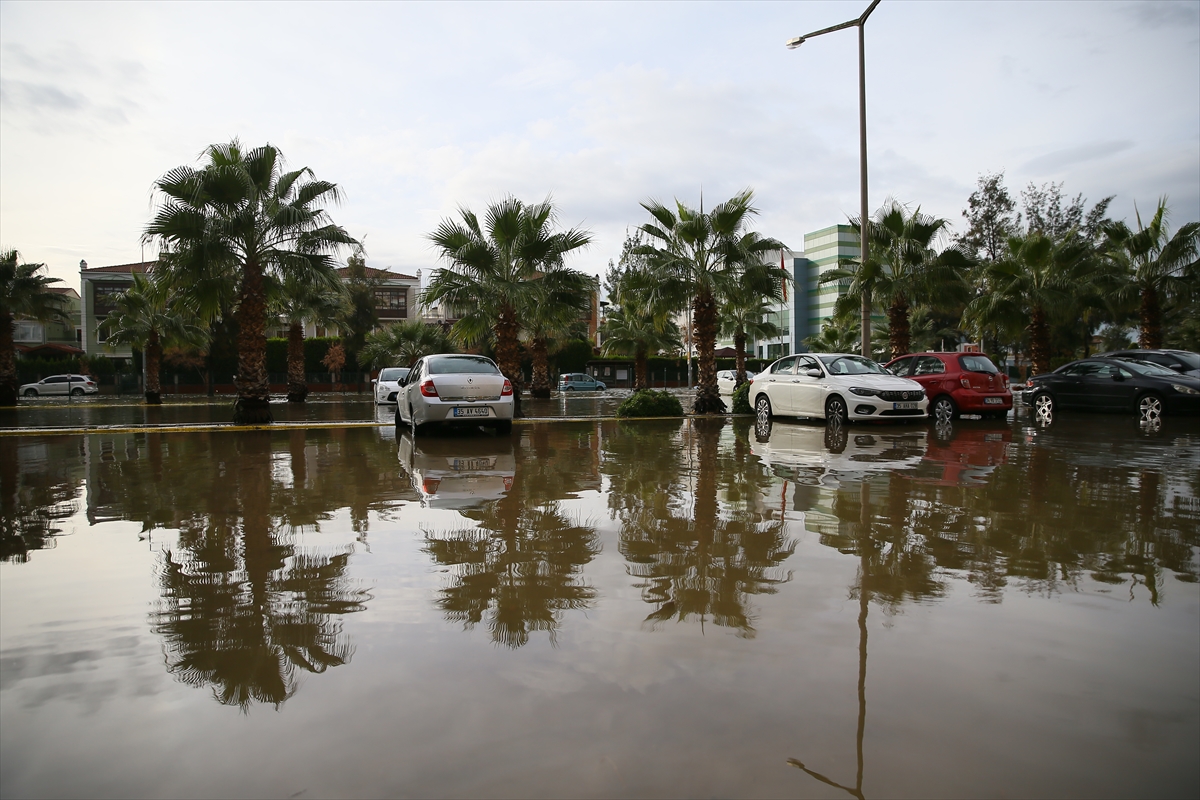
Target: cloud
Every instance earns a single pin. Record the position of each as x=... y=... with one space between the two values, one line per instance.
x=1061 y=159
x=1165 y=14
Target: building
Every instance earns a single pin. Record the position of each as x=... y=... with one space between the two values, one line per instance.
x=97 y=287
x=55 y=338
x=397 y=297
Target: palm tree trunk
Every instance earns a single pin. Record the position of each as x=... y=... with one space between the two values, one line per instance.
x=641 y=360
x=297 y=387
x=1150 y=332
x=8 y=362
x=739 y=344
x=899 y=333
x=1039 y=341
x=704 y=320
x=253 y=405
x=508 y=352
x=541 y=369
x=153 y=364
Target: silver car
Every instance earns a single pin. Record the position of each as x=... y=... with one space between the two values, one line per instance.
x=74 y=385
x=456 y=390
x=387 y=385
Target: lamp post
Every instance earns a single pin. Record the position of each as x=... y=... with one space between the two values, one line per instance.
x=792 y=44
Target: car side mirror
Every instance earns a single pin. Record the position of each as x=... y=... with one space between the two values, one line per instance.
x=1118 y=376
x=812 y=372
x=1177 y=367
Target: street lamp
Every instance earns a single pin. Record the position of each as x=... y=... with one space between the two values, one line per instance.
x=792 y=44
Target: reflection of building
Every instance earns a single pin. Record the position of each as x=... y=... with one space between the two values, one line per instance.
x=97 y=287
x=55 y=338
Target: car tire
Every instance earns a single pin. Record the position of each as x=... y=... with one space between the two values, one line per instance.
x=835 y=408
x=943 y=408
x=1150 y=408
x=503 y=427
x=762 y=408
x=31 y=392
x=1044 y=406
x=77 y=392
x=569 y=389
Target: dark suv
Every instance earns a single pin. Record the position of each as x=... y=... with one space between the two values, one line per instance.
x=957 y=383
x=1182 y=361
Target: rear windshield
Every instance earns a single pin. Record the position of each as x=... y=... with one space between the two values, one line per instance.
x=1191 y=359
x=392 y=374
x=451 y=365
x=977 y=364
x=1148 y=367
x=852 y=365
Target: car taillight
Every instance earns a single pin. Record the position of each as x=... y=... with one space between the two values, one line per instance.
x=507 y=390
x=1004 y=381
x=965 y=381
x=428 y=389
x=430 y=485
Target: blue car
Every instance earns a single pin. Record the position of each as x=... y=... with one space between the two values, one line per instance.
x=578 y=382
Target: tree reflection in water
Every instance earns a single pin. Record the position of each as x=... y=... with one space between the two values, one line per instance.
x=521 y=568
x=36 y=492
x=242 y=607
x=694 y=558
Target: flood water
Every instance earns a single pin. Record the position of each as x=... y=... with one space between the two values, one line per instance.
x=599 y=608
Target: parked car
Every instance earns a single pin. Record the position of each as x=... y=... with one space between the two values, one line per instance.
x=387 y=385
x=457 y=472
x=578 y=382
x=726 y=379
x=957 y=383
x=834 y=386
x=74 y=385
x=455 y=390
x=1112 y=384
x=1185 y=362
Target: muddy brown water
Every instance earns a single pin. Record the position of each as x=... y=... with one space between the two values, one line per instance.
x=601 y=608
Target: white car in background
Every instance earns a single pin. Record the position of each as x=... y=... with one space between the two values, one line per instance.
x=462 y=390
x=726 y=379
x=835 y=386
x=74 y=385
x=387 y=385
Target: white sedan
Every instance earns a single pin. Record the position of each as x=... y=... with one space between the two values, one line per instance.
x=387 y=385
x=455 y=390
x=726 y=379
x=835 y=386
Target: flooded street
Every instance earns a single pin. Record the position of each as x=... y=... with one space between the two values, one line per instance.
x=599 y=608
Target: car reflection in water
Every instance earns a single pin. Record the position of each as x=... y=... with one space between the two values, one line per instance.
x=964 y=454
x=829 y=454
x=458 y=472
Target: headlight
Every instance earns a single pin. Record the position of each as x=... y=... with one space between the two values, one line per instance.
x=1176 y=387
x=863 y=392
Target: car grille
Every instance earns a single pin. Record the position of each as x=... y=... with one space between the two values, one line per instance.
x=915 y=394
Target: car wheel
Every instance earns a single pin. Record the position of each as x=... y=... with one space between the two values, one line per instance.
x=762 y=408
x=77 y=393
x=943 y=409
x=569 y=389
x=31 y=393
x=1150 y=408
x=1043 y=407
x=835 y=408
x=504 y=427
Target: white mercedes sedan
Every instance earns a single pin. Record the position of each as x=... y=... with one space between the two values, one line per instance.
x=835 y=386
x=459 y=390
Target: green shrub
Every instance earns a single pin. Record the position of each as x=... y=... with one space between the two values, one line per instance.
x=650 y=403
x=741 y=399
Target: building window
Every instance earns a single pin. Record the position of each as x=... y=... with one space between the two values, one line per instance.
x=103 y=299
x=101 y=333
x=26 y=332
x=391 y=303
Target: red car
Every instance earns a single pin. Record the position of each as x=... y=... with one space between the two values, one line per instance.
x=957 y=383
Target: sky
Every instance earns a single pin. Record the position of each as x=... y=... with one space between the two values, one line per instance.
x=416 y=110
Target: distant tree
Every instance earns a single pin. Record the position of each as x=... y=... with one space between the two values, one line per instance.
x=23 y=293
x=743 y=317
x=402 y=343
x=298 y=299
x=359 y=315
x=335 y=361
x=1051 y=214
x=562 y=297
x=990 y=218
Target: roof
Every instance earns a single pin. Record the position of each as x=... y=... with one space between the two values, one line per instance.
x=127 y=269
x=379 y=273
x=63 y=290
x=56 y=347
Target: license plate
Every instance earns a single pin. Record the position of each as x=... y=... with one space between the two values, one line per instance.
x=993 y=401
x=472 y=463
x=472 y=411
x=904 y=406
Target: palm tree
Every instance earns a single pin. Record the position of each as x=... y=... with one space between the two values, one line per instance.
x=904 y=267
x=23 y=293
x=403 y=343
x=491 y=281
x=241 y=214
x=701 y=255
x=562 y=298
x=146 y=318
x=1154 y=267
x=630 y=329
x=299 y=299
x=743 y=316
x=1036 y=277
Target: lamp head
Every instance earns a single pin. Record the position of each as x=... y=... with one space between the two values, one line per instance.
x=792 y=44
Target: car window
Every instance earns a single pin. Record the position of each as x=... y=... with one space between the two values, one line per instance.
x=1190 y=360
x=977 y=363
x=852 y=365
x=460 y=365
x=391 y=374
x=901 y=366
x=785 y=366
x=1149 y=368
x=806 y=362
x=929 y=365
x=1072 y=369
x=56 y=379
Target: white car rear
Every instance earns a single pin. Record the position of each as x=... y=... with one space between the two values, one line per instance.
x=455 y=390
x=835 y=385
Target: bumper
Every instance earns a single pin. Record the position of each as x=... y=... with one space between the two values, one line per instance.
x=864 y=408
x=435 y=410
x=1182 y=404
x=983 y=401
